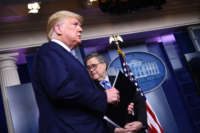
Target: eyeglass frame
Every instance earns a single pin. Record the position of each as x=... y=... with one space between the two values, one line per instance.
x=93 y=66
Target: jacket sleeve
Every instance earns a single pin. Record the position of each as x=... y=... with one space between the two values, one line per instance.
x=140 y=108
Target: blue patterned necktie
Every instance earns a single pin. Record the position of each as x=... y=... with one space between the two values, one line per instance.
x=106 y=84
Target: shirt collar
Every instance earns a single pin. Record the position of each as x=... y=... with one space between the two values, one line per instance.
x=106 y=79
x=62 y=44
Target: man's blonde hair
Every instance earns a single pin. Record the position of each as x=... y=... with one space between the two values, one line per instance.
x=59 y=17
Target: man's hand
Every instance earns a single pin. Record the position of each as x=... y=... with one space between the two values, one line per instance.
x=112 y=95
x=120 y=130
x=130 y=108
x=133 y=127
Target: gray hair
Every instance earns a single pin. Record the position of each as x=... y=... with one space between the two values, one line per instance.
x=58 y=17
x=99 y=57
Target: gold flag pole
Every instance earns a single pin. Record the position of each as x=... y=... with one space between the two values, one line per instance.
x=116 y=39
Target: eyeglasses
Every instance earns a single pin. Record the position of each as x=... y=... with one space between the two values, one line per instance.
x=92 y=66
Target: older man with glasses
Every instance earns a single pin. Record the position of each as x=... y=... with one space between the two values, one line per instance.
x=97 y=66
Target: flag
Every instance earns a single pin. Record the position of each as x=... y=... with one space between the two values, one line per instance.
x=152 y=121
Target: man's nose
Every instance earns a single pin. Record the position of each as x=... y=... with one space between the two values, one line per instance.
x=91 y=69
x=80 y=29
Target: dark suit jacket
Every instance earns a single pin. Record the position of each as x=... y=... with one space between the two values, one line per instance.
x=139 y=108
x=68 y=100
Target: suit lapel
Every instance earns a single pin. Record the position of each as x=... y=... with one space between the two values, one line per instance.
x=98 y=85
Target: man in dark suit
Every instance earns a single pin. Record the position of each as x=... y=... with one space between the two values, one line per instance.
x=97 y=66
x=68 y=100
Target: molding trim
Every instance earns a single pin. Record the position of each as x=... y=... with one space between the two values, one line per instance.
x=98 y=24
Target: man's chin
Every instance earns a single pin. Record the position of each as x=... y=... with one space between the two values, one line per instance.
x=77 y=44
x=96 y=78
x=79 y=41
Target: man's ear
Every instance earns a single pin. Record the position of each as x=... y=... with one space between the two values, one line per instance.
x=105 y=66
x=57 y=29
